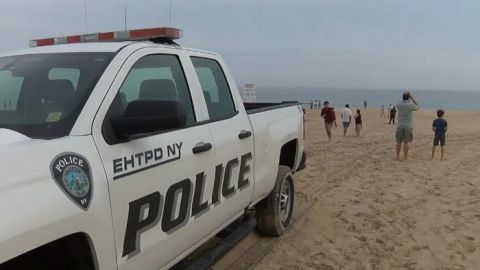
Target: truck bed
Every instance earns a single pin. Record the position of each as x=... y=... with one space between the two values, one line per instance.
x=256 y=107
x=274 y=125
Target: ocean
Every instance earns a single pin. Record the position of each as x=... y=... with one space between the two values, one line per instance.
x=428 y=99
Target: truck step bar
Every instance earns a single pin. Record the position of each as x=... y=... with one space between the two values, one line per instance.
x=225 y=245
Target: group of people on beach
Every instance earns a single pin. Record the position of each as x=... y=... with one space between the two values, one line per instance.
x=328 y=114
x=404 y=131
x=315 y=104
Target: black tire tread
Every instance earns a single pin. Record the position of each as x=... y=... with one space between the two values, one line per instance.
x=268 y=221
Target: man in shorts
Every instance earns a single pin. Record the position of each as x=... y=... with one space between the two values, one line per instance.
x=404 y=133
x=328 y=115
x=346 y=118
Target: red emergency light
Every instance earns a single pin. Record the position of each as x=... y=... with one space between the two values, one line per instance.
x=160 y=34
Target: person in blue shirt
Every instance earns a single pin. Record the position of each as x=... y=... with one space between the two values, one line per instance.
x=439 y=126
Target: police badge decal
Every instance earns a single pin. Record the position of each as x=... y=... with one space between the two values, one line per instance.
x=72 y=174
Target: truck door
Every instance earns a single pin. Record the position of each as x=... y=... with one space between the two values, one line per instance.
x=160 y=182
x=232 y=134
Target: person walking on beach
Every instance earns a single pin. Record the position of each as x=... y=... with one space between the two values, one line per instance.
x=389 y=108
x=393 y=112
x=404 y=133
x=439 y=127
x=328 y=115
x=364 y=103
x=382 y=114
x=346 y=118
x=358 y=122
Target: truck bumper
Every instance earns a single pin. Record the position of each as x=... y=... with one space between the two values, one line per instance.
x=303 y=162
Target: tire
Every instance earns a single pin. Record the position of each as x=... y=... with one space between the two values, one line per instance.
x=274 y=213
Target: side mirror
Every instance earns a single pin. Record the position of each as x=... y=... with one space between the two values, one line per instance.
x=149 y=116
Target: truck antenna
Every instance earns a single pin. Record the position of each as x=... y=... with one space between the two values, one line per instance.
x=125 y=18
x=170 y=14
x=86 y=16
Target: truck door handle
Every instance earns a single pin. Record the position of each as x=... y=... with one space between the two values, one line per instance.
x=201 y=147
x=244 y=134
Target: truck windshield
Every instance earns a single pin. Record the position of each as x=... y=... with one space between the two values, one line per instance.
x=41 y=95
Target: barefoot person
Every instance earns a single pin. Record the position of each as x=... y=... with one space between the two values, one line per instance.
x=358 y=122
x=346 y=118
x=404 y=133
x=439 y=126
x=328 y=115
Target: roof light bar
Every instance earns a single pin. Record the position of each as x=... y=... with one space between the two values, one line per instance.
x=161 y=33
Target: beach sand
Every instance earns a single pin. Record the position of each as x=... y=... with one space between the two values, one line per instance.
x=359 y=208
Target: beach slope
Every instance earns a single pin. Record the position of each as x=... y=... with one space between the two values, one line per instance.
x=359 y=208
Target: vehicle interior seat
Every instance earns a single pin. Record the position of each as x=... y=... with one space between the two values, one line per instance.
x=158 y=89
x=59 y=94
x=212 y=107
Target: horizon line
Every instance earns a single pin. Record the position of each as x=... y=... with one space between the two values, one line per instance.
x=365 y=88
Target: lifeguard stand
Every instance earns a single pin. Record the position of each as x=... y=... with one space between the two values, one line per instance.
x=249 y=93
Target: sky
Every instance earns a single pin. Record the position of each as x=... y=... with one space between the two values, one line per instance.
x=394 y=44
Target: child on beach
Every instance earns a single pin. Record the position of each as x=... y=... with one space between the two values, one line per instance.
x=439 y=126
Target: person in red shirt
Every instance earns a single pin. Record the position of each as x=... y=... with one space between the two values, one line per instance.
x=328 y=115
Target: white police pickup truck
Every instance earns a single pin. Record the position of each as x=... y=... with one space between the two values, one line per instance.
x=124 y=150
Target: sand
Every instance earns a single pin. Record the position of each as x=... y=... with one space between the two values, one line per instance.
x=359 y=208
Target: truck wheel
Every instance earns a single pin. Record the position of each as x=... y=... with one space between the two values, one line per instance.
x=274 y=213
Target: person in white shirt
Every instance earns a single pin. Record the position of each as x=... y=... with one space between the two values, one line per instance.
x=346 y=118
x=389 y=108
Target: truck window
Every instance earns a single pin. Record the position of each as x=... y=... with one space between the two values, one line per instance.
x=10 y=90
x=153 y=77
x=41 y=95
x=71 y=74
x=215 y=88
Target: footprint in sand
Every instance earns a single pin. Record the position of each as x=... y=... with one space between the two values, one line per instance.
x=464 y=245
x=444 y=202
x=434 y=192
x=339 y=215
x=409 y=222
x=468 y=244
x=449 y=229
x=355 y=201
x=457 y=256
x=474 y=193
x=301 y=195
x=361 y=238
x=353 y=228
